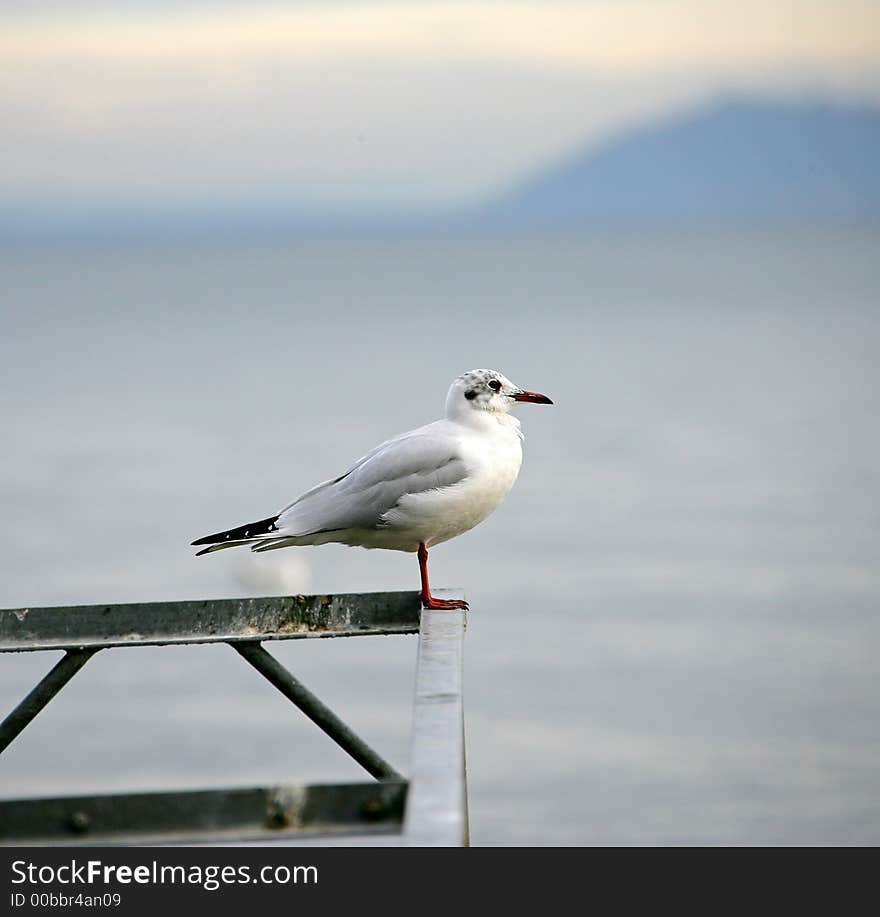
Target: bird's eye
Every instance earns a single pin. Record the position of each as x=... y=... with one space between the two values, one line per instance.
x=495 y=385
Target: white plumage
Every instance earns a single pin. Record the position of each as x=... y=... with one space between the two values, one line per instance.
x=414 y=491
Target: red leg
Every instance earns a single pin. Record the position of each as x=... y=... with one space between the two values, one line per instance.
x=428 y=601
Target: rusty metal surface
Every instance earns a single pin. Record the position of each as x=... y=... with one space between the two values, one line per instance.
x=210 y=621
x=280 y=813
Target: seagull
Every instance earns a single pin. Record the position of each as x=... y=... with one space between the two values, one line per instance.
x=414 y=491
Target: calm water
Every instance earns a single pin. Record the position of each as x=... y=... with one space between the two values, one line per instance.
x=675 y=626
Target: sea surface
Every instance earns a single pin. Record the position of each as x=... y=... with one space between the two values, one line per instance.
x=674 y=631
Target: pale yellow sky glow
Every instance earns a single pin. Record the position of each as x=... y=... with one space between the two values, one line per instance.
x=618 y=38
x=424 y=102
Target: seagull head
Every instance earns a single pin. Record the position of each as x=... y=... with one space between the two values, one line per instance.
x=487 y=390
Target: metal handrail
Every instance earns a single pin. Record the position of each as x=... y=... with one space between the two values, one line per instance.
x=436 y=806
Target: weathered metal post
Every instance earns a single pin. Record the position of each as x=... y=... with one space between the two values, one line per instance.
x=436 y=813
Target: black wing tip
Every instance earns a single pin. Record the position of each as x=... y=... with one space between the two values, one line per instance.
x=249 y=530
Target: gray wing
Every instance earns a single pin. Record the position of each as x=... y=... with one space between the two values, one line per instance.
x=424 y=459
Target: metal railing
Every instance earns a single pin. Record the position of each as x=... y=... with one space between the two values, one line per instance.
x=430 y=808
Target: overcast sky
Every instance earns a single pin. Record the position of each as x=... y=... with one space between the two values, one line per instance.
x=402 y=104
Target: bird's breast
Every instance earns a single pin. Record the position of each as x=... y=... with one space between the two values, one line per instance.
x=492 y=464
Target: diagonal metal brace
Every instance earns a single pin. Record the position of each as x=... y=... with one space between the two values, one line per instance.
x=320 y=714
x=54 y=680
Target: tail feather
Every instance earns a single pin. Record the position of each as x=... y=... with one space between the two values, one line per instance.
x=240 y=535
x=272 y=544
x=223 y=545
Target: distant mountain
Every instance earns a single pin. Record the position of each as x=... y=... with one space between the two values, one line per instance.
x=736 y=161
x=742 y=161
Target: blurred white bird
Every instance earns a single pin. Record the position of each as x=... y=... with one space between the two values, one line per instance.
x=414 y=491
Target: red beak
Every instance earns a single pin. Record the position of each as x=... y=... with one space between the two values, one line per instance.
x=533 y=397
